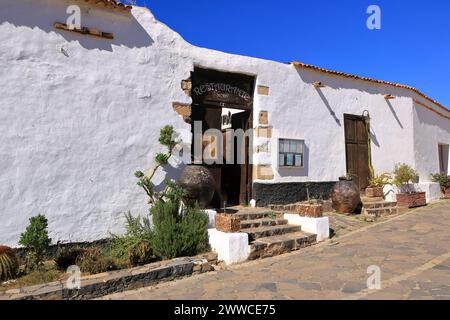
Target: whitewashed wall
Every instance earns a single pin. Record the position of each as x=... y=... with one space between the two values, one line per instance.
x=74 y=128
x=430 y=130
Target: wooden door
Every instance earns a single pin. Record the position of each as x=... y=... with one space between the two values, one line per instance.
x=357 y=149
x=442 y=167
x=236 y=177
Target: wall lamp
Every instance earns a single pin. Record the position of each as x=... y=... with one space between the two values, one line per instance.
x=366 y=116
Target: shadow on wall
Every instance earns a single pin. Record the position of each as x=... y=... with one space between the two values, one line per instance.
x=373 y=137
x=127 y=30
x=337 y=83
x=394 y=113
x=169 y=172
x=327 y=104
x=428 y=117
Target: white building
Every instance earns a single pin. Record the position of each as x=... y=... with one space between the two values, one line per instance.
x=81 y=112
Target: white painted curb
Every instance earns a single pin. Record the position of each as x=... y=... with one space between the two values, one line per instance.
x=230 y=247
x=318 y=226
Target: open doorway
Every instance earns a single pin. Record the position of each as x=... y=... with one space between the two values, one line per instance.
x=224 y=101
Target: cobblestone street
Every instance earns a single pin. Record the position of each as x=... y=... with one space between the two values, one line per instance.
x=412 y=251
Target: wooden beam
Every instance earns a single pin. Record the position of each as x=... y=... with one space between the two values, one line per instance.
x=87 y=31
x=318 y=84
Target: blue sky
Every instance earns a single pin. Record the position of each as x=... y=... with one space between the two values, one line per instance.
x=412 y=47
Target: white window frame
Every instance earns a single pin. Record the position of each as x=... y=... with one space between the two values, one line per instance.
x=279 y=152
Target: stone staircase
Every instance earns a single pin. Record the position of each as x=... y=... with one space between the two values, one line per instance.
x=269 y=235
x=374 y=208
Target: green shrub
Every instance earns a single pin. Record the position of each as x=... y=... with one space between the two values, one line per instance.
x=177 y=234
x=169 y=139
x=403 y=176
x=35 y=239
x=66 y=257
x=9 y=265
x=94 y=261
x=442 y=179
x=134 y=247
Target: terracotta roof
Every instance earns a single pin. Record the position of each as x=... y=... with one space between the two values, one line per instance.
x=113 y=4
x=347 y=75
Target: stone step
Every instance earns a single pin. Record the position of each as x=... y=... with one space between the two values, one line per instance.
x=379 y=205
x=246 y=224
x=255 y=215
x=276 y=245
x=378 y=212
x=268 y=231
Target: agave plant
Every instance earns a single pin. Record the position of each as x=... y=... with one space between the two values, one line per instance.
x=9 y=265
x=380 y=180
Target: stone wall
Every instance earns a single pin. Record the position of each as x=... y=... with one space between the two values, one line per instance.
x=288 y=193
x=116 y=281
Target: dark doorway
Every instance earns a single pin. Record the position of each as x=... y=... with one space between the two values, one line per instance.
x=224 y=101
x=357 y=149
x=236 y=177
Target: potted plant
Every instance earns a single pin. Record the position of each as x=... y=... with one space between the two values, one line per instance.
x=404 y=176
x=444 y=181
x=376 y=185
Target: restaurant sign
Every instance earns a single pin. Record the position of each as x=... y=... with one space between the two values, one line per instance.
x=222 y=89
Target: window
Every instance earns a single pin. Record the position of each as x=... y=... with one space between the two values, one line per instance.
x=290 y=153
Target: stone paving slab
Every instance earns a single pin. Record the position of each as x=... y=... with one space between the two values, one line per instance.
x=412 y=251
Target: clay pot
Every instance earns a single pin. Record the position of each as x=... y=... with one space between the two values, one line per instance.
x=199 y=184
x=345 y=196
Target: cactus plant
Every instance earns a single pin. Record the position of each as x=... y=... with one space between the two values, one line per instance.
x=9 y=265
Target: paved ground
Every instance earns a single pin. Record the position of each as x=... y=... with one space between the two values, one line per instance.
x=411 y=250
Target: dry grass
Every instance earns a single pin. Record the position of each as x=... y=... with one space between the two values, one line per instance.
x=48 y=273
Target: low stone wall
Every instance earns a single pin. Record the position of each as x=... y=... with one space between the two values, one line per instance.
x=312 y=210
x=116 y=281
x=50 y=252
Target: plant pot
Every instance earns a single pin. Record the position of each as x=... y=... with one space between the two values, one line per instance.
x=411 y=200
x=345 y=196
x=311 y=210
x=228 y=223
x=199 y=184
x=374 y=192
x=446 y=193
